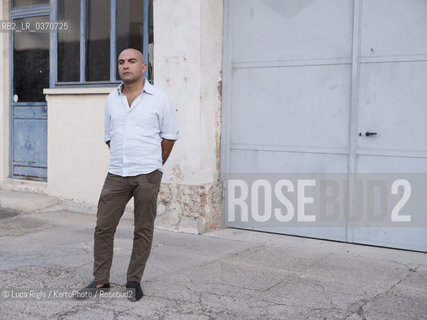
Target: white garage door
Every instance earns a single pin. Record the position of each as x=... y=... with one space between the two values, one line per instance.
x=304 y=80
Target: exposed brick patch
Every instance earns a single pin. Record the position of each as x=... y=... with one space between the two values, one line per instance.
x=189 y=208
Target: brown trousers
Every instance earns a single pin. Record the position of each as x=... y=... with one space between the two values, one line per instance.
x=115 y=194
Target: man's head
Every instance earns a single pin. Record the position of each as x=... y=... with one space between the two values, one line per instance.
x=131 y=65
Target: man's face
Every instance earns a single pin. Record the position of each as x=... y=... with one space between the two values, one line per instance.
x=131 y=65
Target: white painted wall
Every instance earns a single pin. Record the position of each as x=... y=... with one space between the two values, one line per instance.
x=187 y=65
x=77 y=156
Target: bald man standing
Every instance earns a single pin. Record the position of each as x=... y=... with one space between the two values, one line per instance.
x=140 y=130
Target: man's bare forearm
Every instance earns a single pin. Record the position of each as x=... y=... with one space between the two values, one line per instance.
x=167 y=146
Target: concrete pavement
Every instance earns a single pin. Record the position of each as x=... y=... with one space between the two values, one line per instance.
x=224 y=274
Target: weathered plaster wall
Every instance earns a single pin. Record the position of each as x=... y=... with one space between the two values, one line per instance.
x=210 y=88
x=187 y=65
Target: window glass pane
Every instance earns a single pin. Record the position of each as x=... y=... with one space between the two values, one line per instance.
x=23 y=3
x=69 y=42
x=129 y=25
x=30 y=62
x=98 y=40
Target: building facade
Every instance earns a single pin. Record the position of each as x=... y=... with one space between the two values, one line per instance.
x=54 y=88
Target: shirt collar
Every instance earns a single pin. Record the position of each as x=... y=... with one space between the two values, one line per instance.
x=148 y=87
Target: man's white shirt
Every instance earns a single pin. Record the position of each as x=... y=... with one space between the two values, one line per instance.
x=135 y=132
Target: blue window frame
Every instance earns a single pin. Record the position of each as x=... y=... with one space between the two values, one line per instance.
x=115 y=15
x=92 y=59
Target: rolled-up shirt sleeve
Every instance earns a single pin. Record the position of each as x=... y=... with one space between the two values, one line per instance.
x=168 y=127
x=107 y=120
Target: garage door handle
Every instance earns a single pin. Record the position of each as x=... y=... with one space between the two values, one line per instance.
x=370 y=134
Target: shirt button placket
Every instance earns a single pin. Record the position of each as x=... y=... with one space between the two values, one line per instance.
x=125 y=140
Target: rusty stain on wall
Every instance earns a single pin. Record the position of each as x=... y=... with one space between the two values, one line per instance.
x=218 y=128
x=177 y=172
